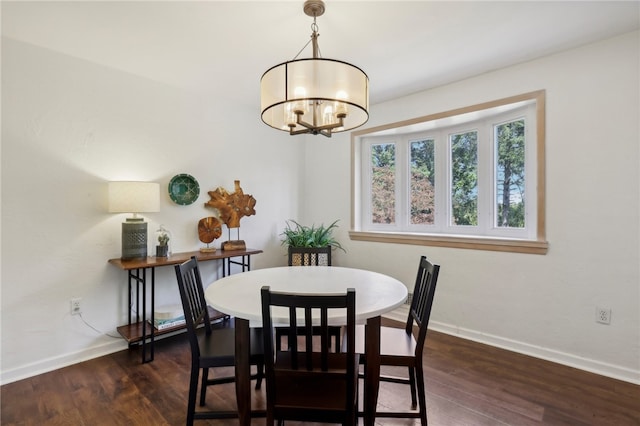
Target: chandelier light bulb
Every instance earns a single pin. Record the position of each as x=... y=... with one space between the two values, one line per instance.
x=341 y=104
x=327 y=117
x=300 y=106
x=290 y=116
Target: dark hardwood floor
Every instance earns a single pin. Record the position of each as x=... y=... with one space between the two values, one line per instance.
x=467 y=384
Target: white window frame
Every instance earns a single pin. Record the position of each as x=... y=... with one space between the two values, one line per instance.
x=485 y=235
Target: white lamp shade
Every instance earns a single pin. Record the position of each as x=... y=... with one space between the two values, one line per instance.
x=134 y=197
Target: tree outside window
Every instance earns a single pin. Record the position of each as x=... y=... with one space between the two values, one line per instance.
x=510 y=195
x=383 y=187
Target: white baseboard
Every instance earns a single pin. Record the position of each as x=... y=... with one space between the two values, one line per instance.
x=54 y=363
x=593 y=366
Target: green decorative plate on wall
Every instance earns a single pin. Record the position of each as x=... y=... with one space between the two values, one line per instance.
x=184 y=189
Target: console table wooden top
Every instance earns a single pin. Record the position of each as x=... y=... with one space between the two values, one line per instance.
x=177 y=258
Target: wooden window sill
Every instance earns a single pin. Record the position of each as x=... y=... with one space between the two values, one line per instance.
x=463 y=242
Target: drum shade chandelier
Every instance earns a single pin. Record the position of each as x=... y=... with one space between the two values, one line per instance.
x=314 y=95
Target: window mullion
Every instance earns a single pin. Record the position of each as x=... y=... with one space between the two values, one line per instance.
x=402 y=183
x=365 y=173
x=442 y=180
x=486 y=175
x=531 y=172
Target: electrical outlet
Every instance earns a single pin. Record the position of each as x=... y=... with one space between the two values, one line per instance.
x=603 y=315
x=75 y=306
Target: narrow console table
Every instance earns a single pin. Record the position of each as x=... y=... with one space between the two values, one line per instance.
x=141 y=330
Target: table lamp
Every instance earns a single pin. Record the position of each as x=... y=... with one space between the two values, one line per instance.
x=134 y=197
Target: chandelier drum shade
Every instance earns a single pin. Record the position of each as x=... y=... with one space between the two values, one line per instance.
x=314 y=95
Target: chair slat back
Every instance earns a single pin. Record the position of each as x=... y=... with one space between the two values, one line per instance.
x=306 y=304
x=423 y=295
x=193 y=301
x=296 y=365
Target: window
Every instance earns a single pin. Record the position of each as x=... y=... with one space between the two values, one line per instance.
x=470 y=178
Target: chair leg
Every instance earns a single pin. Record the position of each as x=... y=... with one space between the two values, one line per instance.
x=193 y=390
x=260 y=367
x=278 y=340
x=203 y=386
x=270 y=420
x=412 y=385
x=421 y=394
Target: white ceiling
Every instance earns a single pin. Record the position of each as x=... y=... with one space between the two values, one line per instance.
x=223 y=48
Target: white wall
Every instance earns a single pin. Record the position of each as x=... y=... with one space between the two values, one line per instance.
x=541 y=305
x=69 y=127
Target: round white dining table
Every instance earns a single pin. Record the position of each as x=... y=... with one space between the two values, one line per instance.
x=239 y=296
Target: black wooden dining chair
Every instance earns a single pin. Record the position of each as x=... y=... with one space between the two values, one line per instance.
x=399 y=346
x=313 y=384
x=211 y=346
x=311 y=256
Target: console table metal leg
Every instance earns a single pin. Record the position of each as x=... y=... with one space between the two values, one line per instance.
x=129 y=297
x=144 y=316
x=245 y=264
x=153 y=314
x=151 y=335
x=139 y=275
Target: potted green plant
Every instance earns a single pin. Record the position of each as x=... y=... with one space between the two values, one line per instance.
x=162 y=249
x=310 y=244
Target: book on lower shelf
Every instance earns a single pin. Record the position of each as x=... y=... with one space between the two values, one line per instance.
x=163 y=324
x=168 y=316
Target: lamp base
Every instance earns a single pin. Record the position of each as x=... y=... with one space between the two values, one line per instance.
x=134 y=238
